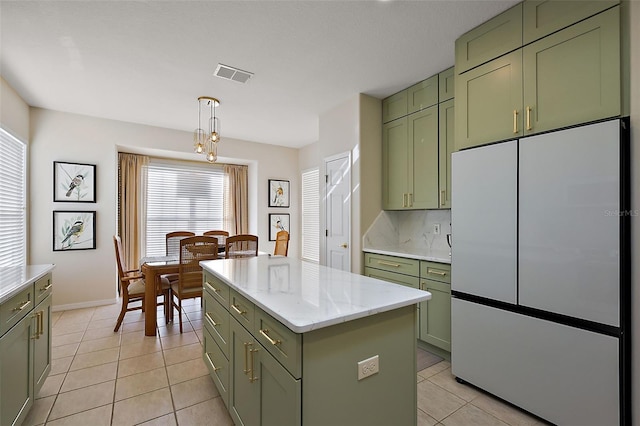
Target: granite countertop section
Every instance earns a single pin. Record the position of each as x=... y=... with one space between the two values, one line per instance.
x=306 y=296
x=430 y=255
x=14 y=279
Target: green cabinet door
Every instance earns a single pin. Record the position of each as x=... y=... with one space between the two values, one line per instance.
x=446 y=84
x=543 y=17
x=16 y=372
x=280 y=394
x=489 y=40
x=395 y=155
x=422 y=95
x=573 y=76
x=422 y=136
x=42 y=344
x=395 y=106
x=489 y=102
x=244 y=392
x=435 y=314
x=446 y=141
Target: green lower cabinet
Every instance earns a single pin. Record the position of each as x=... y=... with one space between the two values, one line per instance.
x=435 y=314
x=16 y=372
x=217 y=364
x=42 y=344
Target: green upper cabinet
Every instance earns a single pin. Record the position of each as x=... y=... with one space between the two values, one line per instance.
x=422 y=95
x=395 y=154
x=489 y=102
x=446 y=113
x=422 y=137
x=494 y=38
x=446 y=85
x=395 y=106
x=543 y=17
x=573 y=76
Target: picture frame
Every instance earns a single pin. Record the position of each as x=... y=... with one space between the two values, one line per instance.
x=278 y=222
x=278 y=193
x=74 y=182
x=74 y=230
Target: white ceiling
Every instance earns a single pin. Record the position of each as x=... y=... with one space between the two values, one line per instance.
x=148 y=61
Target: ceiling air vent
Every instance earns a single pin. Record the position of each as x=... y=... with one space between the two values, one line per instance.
x=231 y=73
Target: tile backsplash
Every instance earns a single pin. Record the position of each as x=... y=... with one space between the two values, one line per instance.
x=410 y=231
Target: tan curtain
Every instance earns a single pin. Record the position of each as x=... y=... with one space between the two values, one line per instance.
x=133 y=211
x=236 y=211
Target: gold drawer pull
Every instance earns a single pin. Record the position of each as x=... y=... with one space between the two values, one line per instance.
x=22 y=306
x=528 y=118
x=515 y=121
x=215 y=290
x=47 y=287
x=265 y=332
x=212 y=364
x=252 y=378
x=442 y=197
x=404 y=200
x=235 y=308
x=435 y=272
x=215 y=324
x=246 y=358
x=395 y=265
x=410 y=198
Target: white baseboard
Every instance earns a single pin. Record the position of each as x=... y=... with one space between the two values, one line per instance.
x=91 y=304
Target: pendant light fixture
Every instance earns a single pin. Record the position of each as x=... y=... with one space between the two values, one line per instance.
x=207 y=142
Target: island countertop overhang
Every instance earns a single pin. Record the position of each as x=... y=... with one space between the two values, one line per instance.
x=306 y=296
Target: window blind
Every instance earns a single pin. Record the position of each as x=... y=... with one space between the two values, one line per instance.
x=181 y=197
x=311 y=215
x=13 y=188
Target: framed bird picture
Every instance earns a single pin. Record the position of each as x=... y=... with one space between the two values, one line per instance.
x=74 y=230
x=74 y=182
x=278 y=193
x=278 y=222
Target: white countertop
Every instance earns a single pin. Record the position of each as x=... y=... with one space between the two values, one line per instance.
x=13 y=279
x=431 y=256
x=306 y=296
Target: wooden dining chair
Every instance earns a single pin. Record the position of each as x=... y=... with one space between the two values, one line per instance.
x=244 y=245
x=189 y=284
x=132 y=286
x=220 y=235
x=282 y=244
x=172 y=247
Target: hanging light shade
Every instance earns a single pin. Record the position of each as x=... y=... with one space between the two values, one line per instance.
x=206 y=142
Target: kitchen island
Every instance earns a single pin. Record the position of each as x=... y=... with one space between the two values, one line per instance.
x=289 y=342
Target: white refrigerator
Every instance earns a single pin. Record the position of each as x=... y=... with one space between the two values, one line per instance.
x=540 y=312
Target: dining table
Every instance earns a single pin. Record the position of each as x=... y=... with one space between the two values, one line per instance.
x=152 y=268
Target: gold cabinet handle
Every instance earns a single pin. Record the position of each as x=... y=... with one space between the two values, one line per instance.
x=265 y=333
x=215 y=324
x=41 y=322
x=252 y=377
x=212 y=364
x=442 y=197
x=22 y=306
x=246 y=358
x=47 y=287
x=515 y=121
x=410 y=199
x=404 y=200
x=208 y=284
x=435 y=272
x=36 y=334
x=528 y=118
x=235 y=308
x=382 y=262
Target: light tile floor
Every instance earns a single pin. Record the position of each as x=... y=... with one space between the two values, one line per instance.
x=99 y=377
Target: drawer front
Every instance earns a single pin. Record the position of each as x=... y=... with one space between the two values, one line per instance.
x=14 y=309
x=241 y=309
x=216 y=321
x=218 y=289
x=392 y=263
x=393 y=277
x=43 y=288
x=282 y=343
x=217 y=364
x=436 y=271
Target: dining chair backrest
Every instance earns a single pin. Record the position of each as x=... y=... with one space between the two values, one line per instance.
x=282 y=244
x=244 y=245
x=122 y=264
x=192 y=251
x=173 y=241
x=220 y=235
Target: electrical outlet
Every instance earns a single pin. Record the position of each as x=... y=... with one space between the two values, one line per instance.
x=368 y=367
x=436 y=229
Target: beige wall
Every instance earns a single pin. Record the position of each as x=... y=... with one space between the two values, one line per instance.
x=14 y=112
x=88 y=277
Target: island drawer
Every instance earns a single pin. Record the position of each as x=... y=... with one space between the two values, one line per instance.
x=218 y=289
x=216 y=321
x=217 y=364
x=241 y=309
x=436 y=271
x=14 y=309
x=43 y=287
x=399 y=265
x=282 y=343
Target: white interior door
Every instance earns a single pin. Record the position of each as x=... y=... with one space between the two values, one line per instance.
x=338 y=212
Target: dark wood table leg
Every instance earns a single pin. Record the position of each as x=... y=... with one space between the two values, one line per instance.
x=150 y=311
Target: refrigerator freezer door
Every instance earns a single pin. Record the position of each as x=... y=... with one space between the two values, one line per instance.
x=569 y=225
x=483 y=221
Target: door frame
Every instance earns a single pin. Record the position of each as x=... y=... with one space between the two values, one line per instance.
x=323 y=206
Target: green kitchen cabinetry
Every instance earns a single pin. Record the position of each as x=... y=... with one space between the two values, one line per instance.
x=435 y=314
x=569 y=77
x=25 y=348
x=412 y=99
x=446 y=84
x=446 y=146
x=410 y=161
x=394 y=107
